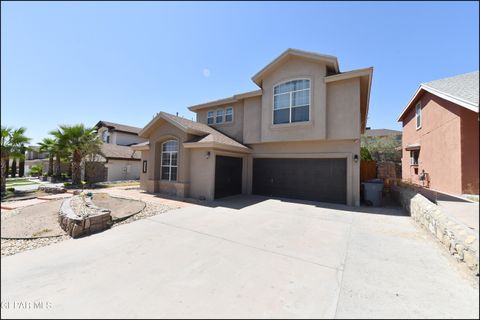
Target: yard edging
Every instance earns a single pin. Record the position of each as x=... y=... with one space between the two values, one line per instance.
x=458 y=239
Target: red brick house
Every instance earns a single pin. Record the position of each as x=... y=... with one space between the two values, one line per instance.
x=440 y=147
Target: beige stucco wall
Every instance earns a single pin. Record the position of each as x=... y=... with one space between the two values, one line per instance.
x=202 y=177
x=125 y=139
x=144 y=176
x=232 y=129
x=343 y=109
x=162 y=132
x=252 y=119
x=123 y=170
x=314 y=149
x=296 y=68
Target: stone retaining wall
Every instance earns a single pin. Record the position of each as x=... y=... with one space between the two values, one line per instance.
x=76 y=226
x=461 y=241
x=53 y=190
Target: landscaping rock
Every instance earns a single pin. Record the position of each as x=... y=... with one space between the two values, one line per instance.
x=54 y=190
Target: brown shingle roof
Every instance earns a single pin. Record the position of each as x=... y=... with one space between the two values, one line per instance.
x=211 y=135
x=118 y=127
x=111 y=150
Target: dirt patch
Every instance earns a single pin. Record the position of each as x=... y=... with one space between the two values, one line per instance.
x=120 y=208
x=36 y=221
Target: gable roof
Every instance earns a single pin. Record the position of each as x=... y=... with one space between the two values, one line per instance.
x=461 y=90
x=207 y=136
x=118 y=127
x=330 y=61
x=232 y=99
x=114 y=151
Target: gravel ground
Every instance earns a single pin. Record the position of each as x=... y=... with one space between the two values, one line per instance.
x=10 y=247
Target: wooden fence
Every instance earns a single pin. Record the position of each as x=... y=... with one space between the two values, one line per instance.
x=368 y=170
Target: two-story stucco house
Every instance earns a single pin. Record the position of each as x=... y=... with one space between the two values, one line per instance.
x=298 y=136
x=440 y=135
x=120 y=161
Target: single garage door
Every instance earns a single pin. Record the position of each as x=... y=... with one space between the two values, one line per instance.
x=322 y=180
x=228 y=176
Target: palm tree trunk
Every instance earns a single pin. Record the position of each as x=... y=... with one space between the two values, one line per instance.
x=76 y=170
x=3 y=173
x=7 y=166
x=50 y=165
x=14 y=168
x=57 y=166
x=21 y=166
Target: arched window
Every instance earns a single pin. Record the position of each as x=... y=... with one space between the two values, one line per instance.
x=291 y=101
x=169 y=160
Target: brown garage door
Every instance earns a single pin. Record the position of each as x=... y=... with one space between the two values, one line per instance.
x=228 y=176
x=322 y=180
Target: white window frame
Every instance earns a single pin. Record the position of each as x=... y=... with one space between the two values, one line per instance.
x=212 y=117
x=418 y=115
x=223 y=116
x=225 y=113
x=412 y=157
x=290 y=103
x=170 y=166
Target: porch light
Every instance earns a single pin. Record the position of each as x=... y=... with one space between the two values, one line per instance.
x=355 y=158
x=207 y=155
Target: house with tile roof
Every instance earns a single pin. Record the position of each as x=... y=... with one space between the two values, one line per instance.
x=441 y=135
x=296 y=136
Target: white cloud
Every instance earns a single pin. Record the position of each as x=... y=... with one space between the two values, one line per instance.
x=206 y=72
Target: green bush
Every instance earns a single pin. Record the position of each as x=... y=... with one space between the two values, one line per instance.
x=67 y=184
x=11 y=189
x=36 y=170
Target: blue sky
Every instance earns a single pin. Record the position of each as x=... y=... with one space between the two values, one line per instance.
x=125 y=61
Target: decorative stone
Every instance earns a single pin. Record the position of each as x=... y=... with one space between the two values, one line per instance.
x=77 y=225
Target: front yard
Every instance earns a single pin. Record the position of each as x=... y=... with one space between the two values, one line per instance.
x=247 y=257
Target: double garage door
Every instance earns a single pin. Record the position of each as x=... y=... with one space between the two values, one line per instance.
x=322 y=180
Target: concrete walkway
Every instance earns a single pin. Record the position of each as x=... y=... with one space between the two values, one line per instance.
x=245 y=257
x=464 y=211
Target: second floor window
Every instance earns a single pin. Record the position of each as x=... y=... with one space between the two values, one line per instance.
x=229 y=114
x=219 y=117
x=418 y=115
x=210 y=117
x=291 y=102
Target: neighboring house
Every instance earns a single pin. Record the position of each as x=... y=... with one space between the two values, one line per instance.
x=120 y=161
x=440 y=135
x=35 y=157
x=296 y=137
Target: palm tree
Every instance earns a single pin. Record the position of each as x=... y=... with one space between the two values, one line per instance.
x=80 y=142
x=48 y=145
x=12 y=141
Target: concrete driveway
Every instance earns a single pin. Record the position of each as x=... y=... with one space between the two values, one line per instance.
x=245 y=257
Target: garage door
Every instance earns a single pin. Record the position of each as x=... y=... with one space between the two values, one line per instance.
x=322 y=180
x=228 y=176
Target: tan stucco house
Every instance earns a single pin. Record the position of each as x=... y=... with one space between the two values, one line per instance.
x=440 y=135
x=298 y=136
x=119 y=160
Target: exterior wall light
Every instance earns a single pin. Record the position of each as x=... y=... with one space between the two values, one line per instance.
x=355 y=158
x=207 y=155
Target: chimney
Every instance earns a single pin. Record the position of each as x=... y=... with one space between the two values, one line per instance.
x=177 y=113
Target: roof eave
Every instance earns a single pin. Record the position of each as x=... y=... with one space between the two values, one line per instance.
x=443 y=95
x=259 y=76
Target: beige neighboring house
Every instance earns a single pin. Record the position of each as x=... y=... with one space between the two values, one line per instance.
x=298 y=136
x=121 y=162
